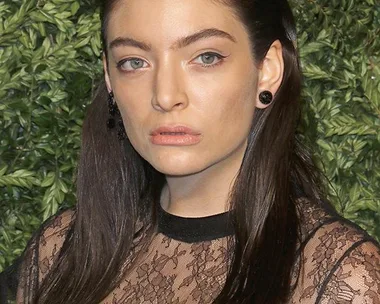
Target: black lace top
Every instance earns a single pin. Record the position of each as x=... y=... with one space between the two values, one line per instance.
x=186 y=261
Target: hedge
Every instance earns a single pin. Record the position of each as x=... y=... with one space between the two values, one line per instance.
x=50 y=64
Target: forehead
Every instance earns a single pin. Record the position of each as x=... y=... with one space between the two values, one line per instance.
x=163 y=21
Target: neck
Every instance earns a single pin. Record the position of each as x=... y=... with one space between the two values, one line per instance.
x=204 y=193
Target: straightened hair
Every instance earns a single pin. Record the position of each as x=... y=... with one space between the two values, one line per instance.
x=118 y=191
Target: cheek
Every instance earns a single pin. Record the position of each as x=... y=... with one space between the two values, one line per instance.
x=232 y=114
x=238 y=107
x=228 y=97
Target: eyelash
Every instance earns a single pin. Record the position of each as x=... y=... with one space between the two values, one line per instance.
x=218 y=56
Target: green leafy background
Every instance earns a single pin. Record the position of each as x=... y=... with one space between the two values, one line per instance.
x=50 y=64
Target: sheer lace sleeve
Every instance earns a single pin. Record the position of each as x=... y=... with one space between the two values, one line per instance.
x=51 y=241
x=340 y=264
x=355 y=278
x=28 y=272
x=40 y=253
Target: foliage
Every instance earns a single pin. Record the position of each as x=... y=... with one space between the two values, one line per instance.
x=50 y=60
x=50 y=56
x=340 y=52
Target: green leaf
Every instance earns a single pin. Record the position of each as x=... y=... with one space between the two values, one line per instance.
x=48 y=180
x=3 y=169
x=74 y=8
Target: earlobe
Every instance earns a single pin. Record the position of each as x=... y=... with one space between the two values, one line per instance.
x=270 y=73
x=106 y=75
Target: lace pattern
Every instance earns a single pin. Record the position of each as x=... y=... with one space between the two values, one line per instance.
x=338 y=263
x=175 y=272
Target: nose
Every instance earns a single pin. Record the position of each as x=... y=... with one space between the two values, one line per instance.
x=169 y=94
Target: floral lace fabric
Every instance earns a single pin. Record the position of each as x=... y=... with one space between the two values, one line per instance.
x=338 y=263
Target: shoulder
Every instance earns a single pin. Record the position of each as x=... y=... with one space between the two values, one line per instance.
x=356 y=276
x=57 y=226
x=41 y=252
x=51 y=237
x=340 y=262
x=352 y=264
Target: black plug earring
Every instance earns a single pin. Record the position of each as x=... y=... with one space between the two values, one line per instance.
x=113 y=110
x=266 y=97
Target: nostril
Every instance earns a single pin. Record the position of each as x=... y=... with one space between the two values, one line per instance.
x=178 y=104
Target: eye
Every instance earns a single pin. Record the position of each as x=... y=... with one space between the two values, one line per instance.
x=131 y=64
x=210 y=59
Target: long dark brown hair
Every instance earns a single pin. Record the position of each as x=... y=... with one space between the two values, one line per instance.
x=117 y=189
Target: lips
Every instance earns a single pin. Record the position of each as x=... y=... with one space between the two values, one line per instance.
x=175 y=136
x=174 y=131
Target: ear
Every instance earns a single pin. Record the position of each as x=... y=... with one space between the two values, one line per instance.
x=270 y=72
x=106 y=75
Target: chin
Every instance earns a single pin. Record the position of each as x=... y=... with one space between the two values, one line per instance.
x=175 y=167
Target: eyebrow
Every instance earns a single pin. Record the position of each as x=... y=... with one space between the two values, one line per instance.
x=180 y=43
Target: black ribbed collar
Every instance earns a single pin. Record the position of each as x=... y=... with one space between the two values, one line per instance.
x=192 y=230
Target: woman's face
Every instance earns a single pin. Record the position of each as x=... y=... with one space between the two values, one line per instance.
x=184 y=80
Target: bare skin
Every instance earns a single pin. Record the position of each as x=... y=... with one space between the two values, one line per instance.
x=169 y=83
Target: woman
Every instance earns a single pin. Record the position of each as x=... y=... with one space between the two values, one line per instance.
x=195 y=189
